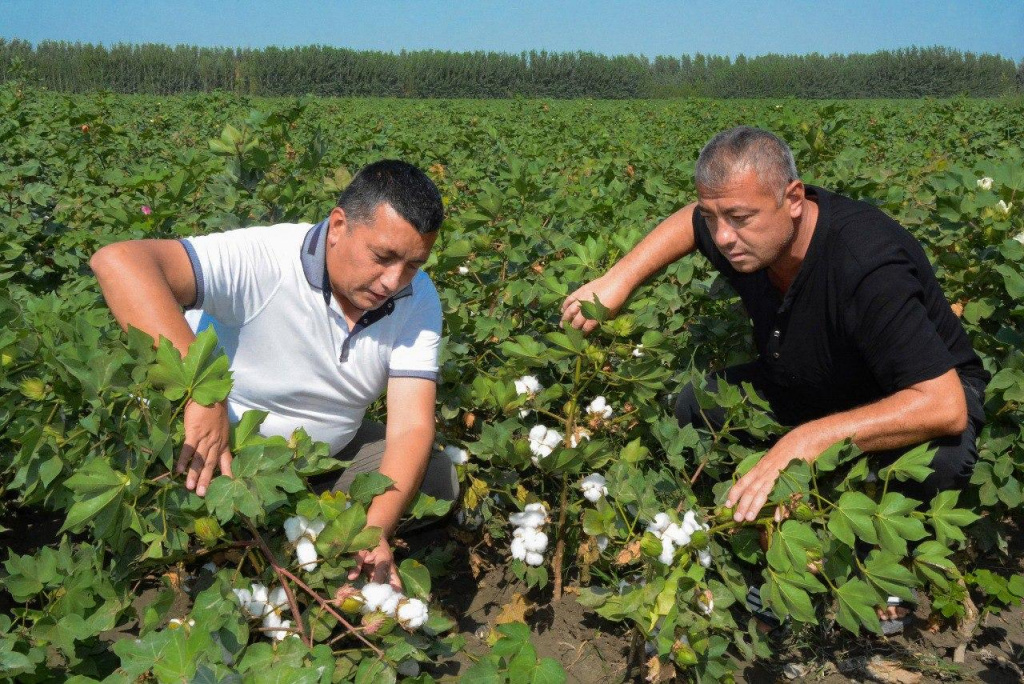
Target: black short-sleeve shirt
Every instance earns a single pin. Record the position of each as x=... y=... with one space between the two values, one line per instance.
x=864 y=317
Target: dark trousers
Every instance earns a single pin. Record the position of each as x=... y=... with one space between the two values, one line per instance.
x=952 y=464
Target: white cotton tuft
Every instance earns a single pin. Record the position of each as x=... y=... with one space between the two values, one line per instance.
x=668 y=551
x=528 y=519
x=602 y=542
x=295 y=527
x=463 y=270
x=659 y=524
x=535 y=541
x=537 y=433
x=518 y=548
x=638 y=351
x=528 y=384
x=599 y=407
x=376 y=595
x=458 y=456
x=677 y=534
x=578 y=437
x=412 y=614
x=534 y=559
x=704 y=557
x=278 y=599
x=552 y=439
x=593 y=487
x=306 y=554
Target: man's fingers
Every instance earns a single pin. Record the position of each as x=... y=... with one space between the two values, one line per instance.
x=225 y=463
x=396 y=581
x=187 y=452
x=206 y=474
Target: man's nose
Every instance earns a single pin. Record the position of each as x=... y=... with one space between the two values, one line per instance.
x=723 y=235
x=391 y=278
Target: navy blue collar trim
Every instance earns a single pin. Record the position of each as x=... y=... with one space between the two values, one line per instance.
x=314 y=266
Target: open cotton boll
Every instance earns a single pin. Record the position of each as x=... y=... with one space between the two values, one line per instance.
x=295 y=527
x=244 y=598
x=279 y=628
x=668 y=550
x=456 y=455
x=376 y=595
x=534 y=559
x=258 y=605
x=278 y=599
x=638 y=351
x=704 y=557
x=315 y=527
x=528 y=518
x=412 y=613
x=677 y=534
x=658 y=525
x=602 y=542
x=579 y=436
x=463 y=270
x=306 y=554
x=537 y=433
x=518 y=548
x=535 y=541
x=552 y=439
x=593 y=487
x=538 y=507
x=599 y=407
x=528 y=384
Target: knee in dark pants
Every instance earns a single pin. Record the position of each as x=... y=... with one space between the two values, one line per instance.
x=689 y=412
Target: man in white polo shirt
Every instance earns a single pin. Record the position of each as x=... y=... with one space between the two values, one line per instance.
x=318 y=321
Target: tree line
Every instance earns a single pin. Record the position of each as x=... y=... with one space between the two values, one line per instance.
x=331 y=71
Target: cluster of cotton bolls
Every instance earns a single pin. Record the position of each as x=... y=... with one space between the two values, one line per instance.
x=530 y=386
x=599 y=407
x=674 y=535
x=594 y=487
x=302 y=533
x=411 y=613
x=528 y=540
x=259 y=603
x=542 y=442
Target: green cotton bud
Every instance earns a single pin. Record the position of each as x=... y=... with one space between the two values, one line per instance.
x=208 y=530
x=650 y=545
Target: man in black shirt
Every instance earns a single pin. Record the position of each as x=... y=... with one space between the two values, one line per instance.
x=854 y=336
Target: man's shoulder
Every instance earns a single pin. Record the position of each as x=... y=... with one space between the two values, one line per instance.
x=861 y=234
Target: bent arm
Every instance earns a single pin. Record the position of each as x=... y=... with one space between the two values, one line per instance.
x=670 y=240
x=409 y=440
x=913 y=415
x=145 y=284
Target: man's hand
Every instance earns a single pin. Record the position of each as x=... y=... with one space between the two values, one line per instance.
x=750 y=493
x=609 y=290
x=207 y=445
x=378 y=564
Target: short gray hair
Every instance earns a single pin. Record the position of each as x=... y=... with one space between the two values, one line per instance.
x=742 y=148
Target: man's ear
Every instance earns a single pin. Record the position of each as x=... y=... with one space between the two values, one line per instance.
x=796 y=197
x=337 y=223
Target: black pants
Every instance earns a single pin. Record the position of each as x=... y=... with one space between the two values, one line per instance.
x=952 y=464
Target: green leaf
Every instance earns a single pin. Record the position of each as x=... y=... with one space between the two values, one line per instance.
x=594 y=310
x=789 y=594
x=885 y=572
x=485 y=671
x=915 y=465
x=852 y=519
x=225 y=496
x=247 y=431
x=548 y=671
x=366 y=486
x=947 y=519
x=82 y=512
x=426 y=506
x=893 y=524
x=415 y=578
x=790 y=546
x=347 y=534
x=857 y=607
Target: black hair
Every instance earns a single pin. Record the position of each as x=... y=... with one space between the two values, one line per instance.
x=407 y=189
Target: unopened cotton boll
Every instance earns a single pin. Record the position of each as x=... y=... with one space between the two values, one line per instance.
x=458 y=456
x=534 y=559
x=412 y=613
x=306 y=554
x=528 y=384
x=599 y=407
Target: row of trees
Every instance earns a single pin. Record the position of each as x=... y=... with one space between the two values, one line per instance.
x=322 y=70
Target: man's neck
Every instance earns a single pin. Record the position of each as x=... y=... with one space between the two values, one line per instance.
x=784 y=271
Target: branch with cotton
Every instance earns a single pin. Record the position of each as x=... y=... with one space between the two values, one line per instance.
x=258 y=603
x=529 y=542
x=543 y=441
x=677 y=535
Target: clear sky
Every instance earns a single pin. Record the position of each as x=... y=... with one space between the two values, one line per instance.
x=647 y=27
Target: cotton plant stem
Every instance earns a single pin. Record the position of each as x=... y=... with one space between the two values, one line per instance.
x=556 y=561
x=281 y=572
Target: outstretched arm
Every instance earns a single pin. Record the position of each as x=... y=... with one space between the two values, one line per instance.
x=926 y=410
x=145 y=284
x=408 y=442
x=670 y=240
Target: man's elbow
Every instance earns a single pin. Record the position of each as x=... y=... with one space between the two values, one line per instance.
x=954 y=412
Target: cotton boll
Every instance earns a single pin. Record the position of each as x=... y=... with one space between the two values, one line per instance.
x=390 y=604
x=677 y=534
x=668 y=550
x=244 y=597
x=259 y=607
x=278 y=599
x=306 y=554
x=592 y=495
x=602 y=542
x=528 y=518
x=315 y=528
x=1005 y=208
x=658 y=525
x=690 y=524
x=528 y=384
x=458 y=456
x=552 y=439
x=638 y=351
x=578 y=437
x=704 y=557
x=295 y=527
x=535 y=541
x=412 y=614
x=599 y=407
x=537 y=433
x=985 y=183
x=375 y=595
x=518 y=548
x=534 y=559
x=463 y=270
x=278 y=627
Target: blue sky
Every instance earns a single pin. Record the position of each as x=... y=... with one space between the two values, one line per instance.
x=648 y=27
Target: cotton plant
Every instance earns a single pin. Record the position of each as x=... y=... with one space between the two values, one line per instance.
x=529 y=386
x=675 y=535
x=594 y=487
x=543 y=441
x=410 y=613
x=529 y=542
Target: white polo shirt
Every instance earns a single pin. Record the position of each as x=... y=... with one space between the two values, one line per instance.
x=265 y=291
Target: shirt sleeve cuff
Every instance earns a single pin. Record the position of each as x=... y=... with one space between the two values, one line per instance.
x=426 y=375
x=197 y=272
